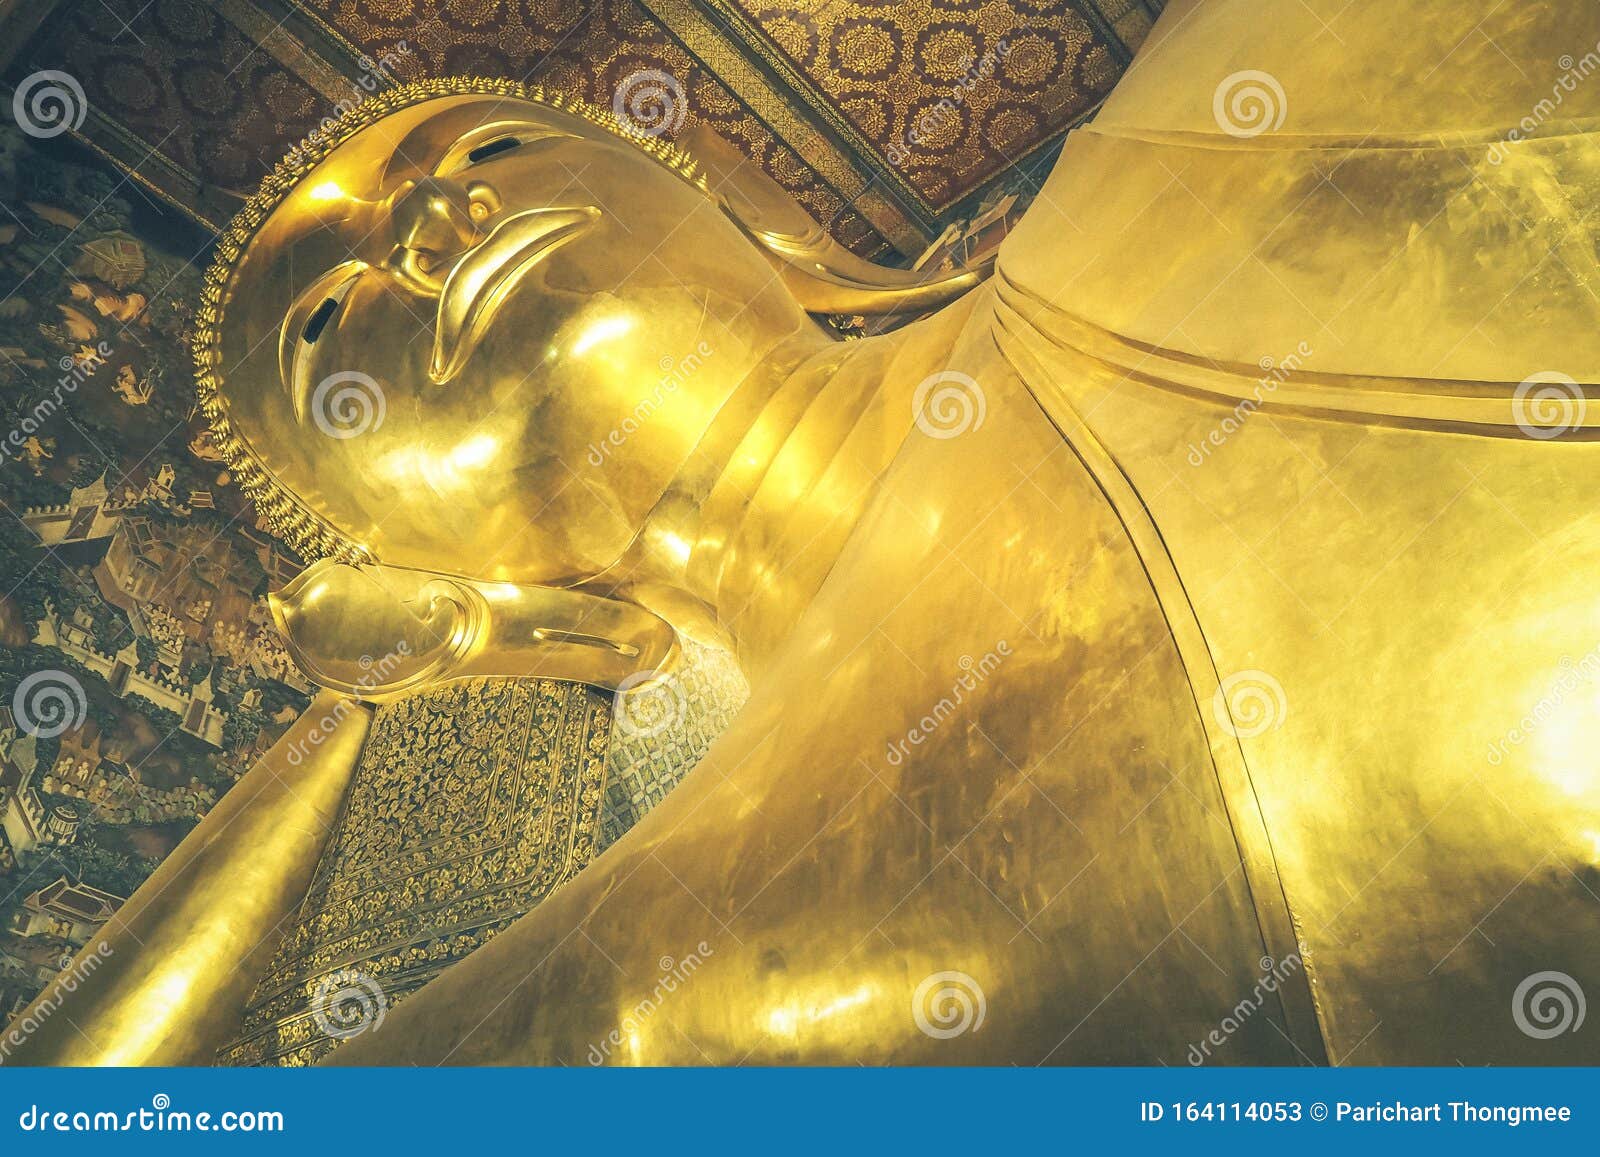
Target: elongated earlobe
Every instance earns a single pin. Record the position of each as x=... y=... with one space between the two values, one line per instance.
x=823 y=275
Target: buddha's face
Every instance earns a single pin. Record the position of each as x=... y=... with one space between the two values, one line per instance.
x=482 y=336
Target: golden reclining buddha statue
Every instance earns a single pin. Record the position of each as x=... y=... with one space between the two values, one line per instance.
x=1177 y=647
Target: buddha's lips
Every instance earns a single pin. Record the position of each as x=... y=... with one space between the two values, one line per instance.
x=489 y=273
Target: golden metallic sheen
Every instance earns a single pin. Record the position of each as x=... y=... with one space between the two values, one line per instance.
x=178 y=961
x=1201 y=598
x=379 y=633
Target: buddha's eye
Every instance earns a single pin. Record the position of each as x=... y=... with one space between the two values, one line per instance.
x=318 y=321
x=308 y=319
x=487 y=141
x=492 y=149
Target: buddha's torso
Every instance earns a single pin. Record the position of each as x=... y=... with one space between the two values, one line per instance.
x=1209 y=676
x=1238 y=662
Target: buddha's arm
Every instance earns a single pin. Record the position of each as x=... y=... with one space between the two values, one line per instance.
x=382 y=632
x=980 y=774
x=165 y=982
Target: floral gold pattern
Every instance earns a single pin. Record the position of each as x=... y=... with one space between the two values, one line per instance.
x=1060 y=58
x=185 y=81
x=587 y=50
x=471 y=804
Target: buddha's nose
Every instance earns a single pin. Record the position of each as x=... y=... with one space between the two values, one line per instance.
x=433 y=216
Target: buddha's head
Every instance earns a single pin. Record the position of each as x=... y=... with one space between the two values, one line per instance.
x=479 y=331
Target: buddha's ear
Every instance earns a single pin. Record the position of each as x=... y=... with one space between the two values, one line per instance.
x=823 y=275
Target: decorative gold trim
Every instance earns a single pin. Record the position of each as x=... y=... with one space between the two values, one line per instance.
x=104 y=137
x=1302 y=1013
x=1106 y=27
x=783 y=103
x=297 y=525
x=19 y=22
x=267 y=31
x=748 y=34
x=887 y=199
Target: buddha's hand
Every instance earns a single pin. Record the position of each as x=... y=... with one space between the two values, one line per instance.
x=379 y=632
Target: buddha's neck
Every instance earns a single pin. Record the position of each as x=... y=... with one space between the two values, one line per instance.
x=763 y=508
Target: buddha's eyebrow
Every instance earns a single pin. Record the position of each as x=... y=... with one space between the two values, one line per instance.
x=490 y=139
